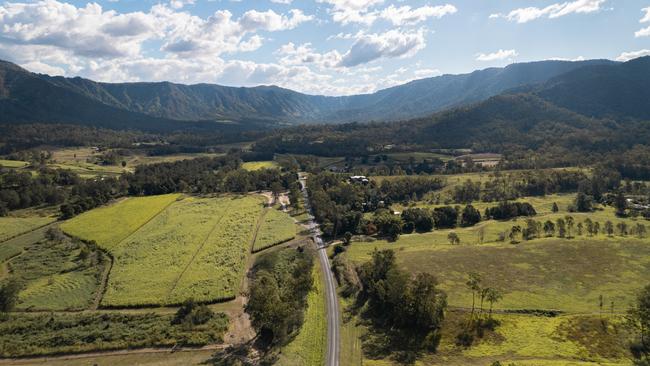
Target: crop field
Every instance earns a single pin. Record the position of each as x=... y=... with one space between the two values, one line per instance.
x=257 y=165
x=13 y=226
x=308 y=348
x=276 y=227
x=217 y=269
x=110 y=225
x=167 y=250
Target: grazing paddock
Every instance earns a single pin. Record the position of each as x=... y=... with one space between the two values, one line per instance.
x=276 y=227
x=257 y=165
x=14 y=226
x=109 y=225
x=548 y=273
x=308 y=348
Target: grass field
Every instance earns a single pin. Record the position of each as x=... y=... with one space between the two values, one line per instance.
x=13 y=226
x=109 y=225
x=257 y=165
x=308 y=348
x=575 y=340
x=276 y=227
x=13 y=163
x=160 y=358
x=546 y=273
x=167 y=250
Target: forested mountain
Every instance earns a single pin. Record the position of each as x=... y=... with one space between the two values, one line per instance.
x=598 y=108
x=28 y=97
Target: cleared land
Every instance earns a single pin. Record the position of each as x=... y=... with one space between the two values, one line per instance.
x=527 y=340
x=257 y=165
x=308 y=348
x=276 y=227
x=13 y=226
x=13 y=163
x=110 y=225
x=167 y=250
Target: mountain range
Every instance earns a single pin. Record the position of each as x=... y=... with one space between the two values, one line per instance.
x=608 y=88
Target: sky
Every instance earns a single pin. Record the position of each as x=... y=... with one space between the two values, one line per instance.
x=331 y=47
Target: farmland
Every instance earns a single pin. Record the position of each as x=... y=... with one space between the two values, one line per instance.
x=13 y=226
x=275 y=228
x=257 y=165
x=176 y=249
x=25 y=334
x=111 y=224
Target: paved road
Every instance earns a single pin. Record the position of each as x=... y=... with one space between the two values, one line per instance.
x=332 y=357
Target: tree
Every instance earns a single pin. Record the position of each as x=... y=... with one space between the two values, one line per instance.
x=453 y=238
x=638 y=318
x=596 y=228
x=583 y=203
x=580 y=227
x=641 y=230
x=622 y=228
x=561 y=228
x=514 y=232
x=549 y=228
x=123 y=163
x=531 y=230
x=555 y=208
x=569 y=225
x=347 y=238
x=470 y=216
x=493 y=296
x=388 y=225
x=445 y=217
x=474 y=284
x=589 y=226
x=620 y=203
x=609 y=228
x=9 y=295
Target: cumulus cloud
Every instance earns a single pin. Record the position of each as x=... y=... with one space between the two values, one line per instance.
x=405 y=15
x=497 y=56
x=645 y=32
x=92 y=32
x=363 y=12
x=524 y=15
x=304 y=54
x=391 y=44
x=627 y=56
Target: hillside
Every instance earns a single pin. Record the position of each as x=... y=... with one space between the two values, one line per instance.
x=28 y=97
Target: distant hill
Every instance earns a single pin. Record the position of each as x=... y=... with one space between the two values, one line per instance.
x=28 y=97
x=599 y=107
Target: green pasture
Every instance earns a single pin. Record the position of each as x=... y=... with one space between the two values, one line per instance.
x=276 y=227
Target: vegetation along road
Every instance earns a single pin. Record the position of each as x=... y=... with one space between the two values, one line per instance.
x=332 y=357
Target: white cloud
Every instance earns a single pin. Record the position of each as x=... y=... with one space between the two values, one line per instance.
x=524 y=15
x=286 y=2
x=627 y=56
x=405 y=15
x=646 y=17
x=42 y=68
x=391 y=44
x=361 y=12
x=497 y=56
x=290 y=54
x=644 y=32
x=178 y=4
x=93 y=32
x=426 y=73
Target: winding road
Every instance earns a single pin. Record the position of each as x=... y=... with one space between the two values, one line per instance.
x=332 y=356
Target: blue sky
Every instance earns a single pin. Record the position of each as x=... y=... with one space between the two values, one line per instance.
x=332 y=47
